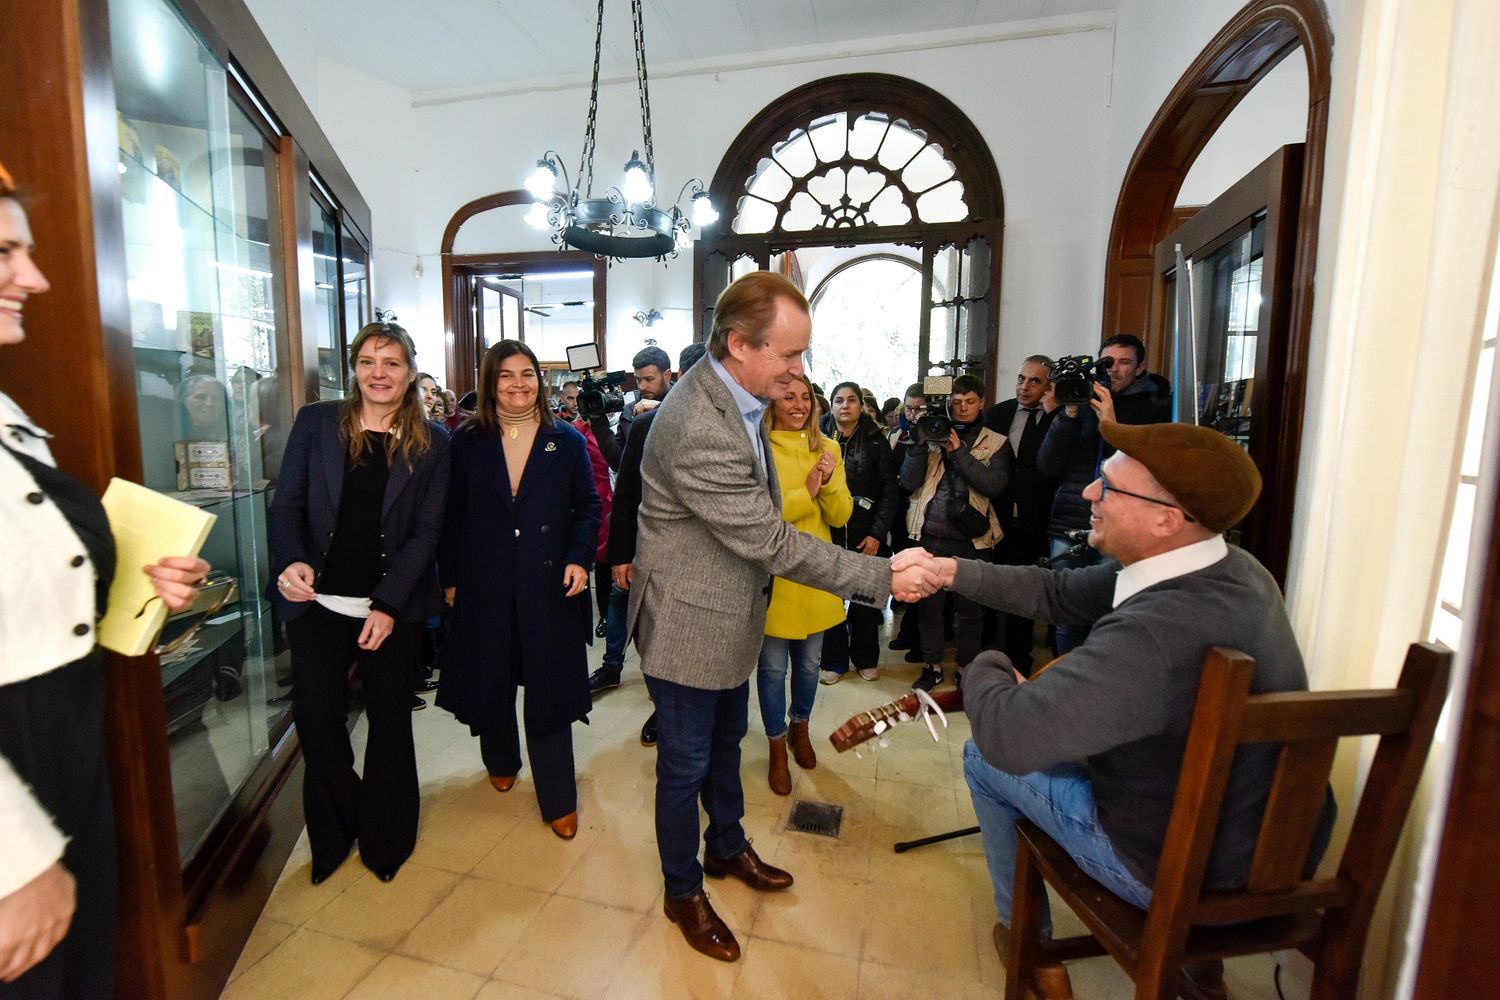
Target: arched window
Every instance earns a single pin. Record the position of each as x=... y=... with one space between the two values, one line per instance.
x=867 y=160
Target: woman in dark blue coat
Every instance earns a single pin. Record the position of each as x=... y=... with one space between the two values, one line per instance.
x=523 y=519
x=354 y=531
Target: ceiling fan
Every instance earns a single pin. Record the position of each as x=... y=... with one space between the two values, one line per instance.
x=545 y=309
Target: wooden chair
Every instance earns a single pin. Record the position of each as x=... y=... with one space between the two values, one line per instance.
x=1327 y=918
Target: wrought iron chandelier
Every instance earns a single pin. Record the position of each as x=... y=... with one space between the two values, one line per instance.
x=626 y=221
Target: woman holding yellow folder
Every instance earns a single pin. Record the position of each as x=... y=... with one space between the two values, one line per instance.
x=57 y=883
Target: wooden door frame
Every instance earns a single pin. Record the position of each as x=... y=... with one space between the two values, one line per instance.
x=1276 y=428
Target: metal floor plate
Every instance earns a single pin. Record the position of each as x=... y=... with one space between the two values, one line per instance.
x=821 y=818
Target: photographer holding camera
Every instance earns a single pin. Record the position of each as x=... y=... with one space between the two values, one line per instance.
x=1122 y=390
x=953 y=481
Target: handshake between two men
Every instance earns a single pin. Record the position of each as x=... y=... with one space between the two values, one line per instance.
x=917 y=573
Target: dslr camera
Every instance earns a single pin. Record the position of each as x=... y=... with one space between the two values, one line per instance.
x=933 y=427
x=598 y=395
x=1075 y=375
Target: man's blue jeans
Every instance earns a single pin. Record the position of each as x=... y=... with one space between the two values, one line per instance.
x=697 y=756
x=1061 y=803
x=1070 y=636
x=615 y=636
x=770 y=680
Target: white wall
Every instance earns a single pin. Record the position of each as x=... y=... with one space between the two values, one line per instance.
x=1272 y=115
x=1040 y=102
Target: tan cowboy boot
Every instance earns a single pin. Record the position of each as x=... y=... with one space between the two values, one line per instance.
x=802 y=748
x=777 y=774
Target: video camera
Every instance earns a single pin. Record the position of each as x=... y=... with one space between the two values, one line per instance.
x=1074 y=376
x=933 y=427
x=597 y=396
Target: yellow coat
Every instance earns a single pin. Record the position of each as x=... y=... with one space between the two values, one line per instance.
x=797 y=611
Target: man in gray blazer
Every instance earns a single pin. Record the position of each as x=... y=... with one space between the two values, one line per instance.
x=711 y=538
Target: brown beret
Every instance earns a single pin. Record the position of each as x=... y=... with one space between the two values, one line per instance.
x=1211 y=476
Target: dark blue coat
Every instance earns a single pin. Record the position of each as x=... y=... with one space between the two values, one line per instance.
x=306 y=509
x=506 y=556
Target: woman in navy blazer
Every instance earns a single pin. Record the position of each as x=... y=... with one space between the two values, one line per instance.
x=523 y=519
x=354 y=530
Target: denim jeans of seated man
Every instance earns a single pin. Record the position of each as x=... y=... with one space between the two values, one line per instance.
x=1060 y=801
x=1071 y=636
x=697 y=754
x=615 y=636
x=805 y=656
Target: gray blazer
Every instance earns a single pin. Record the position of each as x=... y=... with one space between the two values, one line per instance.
x=712 y=536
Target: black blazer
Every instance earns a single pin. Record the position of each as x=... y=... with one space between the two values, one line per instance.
x=306 y=509
x=1029 y=490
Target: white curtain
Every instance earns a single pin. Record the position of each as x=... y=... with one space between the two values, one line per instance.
x=1408 y=237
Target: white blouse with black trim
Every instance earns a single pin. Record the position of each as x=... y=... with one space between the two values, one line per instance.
x=45 y=593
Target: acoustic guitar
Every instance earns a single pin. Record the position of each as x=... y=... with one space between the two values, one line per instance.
x=909 y=707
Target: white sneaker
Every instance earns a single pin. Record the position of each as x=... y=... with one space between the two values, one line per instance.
x=869 y=673
x=828 y=677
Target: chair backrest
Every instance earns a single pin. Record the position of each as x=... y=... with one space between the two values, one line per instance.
x=1308 y=725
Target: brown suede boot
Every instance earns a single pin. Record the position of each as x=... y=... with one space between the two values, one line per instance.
x=777 y=774
x=802 y=749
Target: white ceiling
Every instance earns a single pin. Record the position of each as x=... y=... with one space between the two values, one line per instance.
x=435 y=48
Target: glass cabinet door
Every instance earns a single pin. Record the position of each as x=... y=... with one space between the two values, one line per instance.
x=199 y=193
x=325 y=240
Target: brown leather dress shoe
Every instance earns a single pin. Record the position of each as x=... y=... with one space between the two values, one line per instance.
x=566 y=827
x=701 y=926
x=1050 y=978
x=778 y=776
x=749 y=869
x=503 y=783
x=802 y=748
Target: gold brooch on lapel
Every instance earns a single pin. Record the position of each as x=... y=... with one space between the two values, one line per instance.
x=551 y=446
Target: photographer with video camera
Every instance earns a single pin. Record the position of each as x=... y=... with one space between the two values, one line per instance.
x=1116 y=387
x=953 y=471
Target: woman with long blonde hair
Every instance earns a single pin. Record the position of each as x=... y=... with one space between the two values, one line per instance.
x=354 y=531
x=814 y=499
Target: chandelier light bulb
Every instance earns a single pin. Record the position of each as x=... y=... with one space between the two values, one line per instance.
x=537 y=216
x=637 y=188
x=704 y=213
x=543 y=181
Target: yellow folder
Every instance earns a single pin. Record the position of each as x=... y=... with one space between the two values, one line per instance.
x=147 y=527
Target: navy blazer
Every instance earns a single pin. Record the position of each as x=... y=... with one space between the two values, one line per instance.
x=306 y=509
x=505 y=556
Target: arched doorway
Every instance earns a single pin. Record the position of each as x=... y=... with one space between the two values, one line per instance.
x=876 y=162
x=1138 y=284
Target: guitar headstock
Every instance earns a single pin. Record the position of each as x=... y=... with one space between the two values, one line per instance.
x=877 y=721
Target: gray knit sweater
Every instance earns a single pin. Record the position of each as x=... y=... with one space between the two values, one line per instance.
x=1122 y=702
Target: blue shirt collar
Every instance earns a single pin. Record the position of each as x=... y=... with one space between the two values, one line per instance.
x=751 y=407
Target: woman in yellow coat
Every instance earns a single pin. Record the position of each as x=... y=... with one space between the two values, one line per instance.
x=814 y=498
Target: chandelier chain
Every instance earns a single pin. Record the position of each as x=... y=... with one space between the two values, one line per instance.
x=585 y=173
x=642 y=87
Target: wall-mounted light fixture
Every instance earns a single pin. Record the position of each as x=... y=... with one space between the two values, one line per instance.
x=648 y=318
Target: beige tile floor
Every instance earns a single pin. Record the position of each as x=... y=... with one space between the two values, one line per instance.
x=492 y=905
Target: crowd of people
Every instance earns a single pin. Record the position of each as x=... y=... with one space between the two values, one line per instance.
x=735 y=521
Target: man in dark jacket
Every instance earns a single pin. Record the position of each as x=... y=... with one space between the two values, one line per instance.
x=1074 y=451
x=947 y=480
x=620 y=551
x=1026 y=503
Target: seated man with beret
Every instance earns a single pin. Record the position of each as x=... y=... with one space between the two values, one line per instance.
x=1090 y=749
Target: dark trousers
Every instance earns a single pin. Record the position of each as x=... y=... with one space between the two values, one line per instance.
x=855 y=640
x=1020 y=548
x=968 y=617
x=380 y=810
x=52 y=733
x=551 y=756
x=697 y=757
